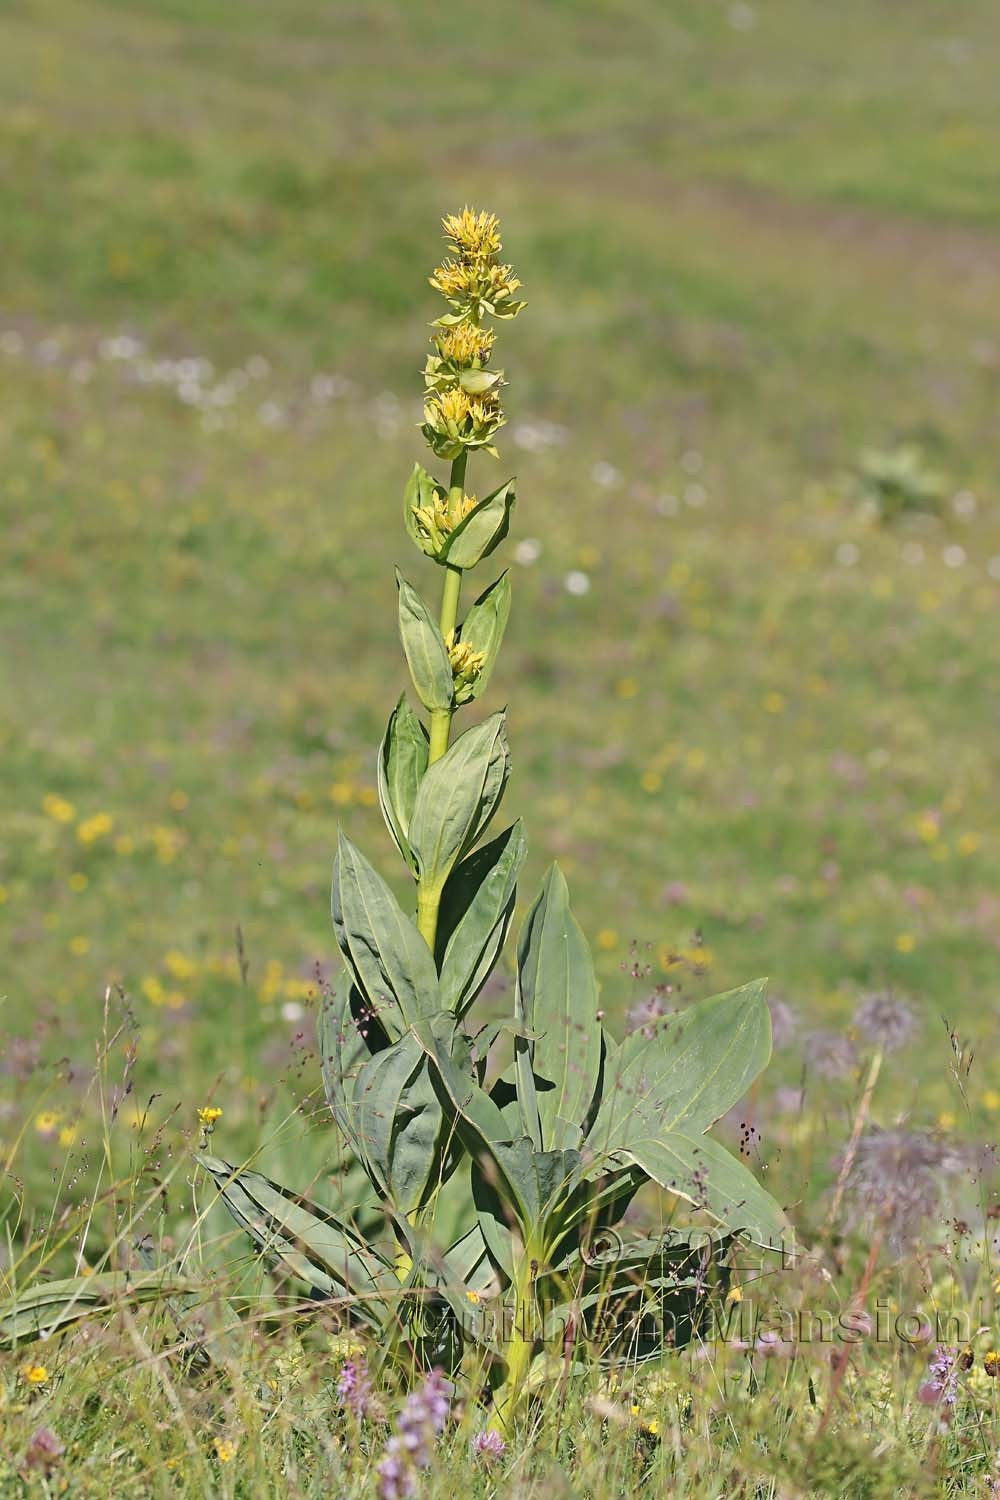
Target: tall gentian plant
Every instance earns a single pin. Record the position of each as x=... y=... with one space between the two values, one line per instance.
x=492 y=1177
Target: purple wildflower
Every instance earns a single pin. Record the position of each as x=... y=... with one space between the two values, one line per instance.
x=422 y=1420
x=354 y=1387
x=488 y=1444
x=44 y=1451
x=942 y=1386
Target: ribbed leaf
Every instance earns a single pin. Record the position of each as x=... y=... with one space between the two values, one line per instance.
x=480 y=1124
x=418 y=494
x=558 y=999
x=424 y=647
x=686 y=1071
x=483 y=629
x=40 y=1310
x=457 y=798
x=306 y=1240
x=402 y=761
x=384 y=951
x=476 y=909
x=401 y=1124
x=707 y=1175
x=347 y=1037
x=482 y=530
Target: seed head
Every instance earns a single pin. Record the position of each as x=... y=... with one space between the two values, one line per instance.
x=885 y=1021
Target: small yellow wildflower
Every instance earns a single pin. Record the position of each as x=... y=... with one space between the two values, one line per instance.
x=627 y=687
x=651 y=781
x=178 y=800
x=967 y=844
x=67 y=1135
x=473 y=234
x=928 y=827
x=208 y=1114
x=92 y=829
x=225 y=1450
x=946 y=1120
x=466 y=663
x=607 y=938
x=474 y=1298
x=78 y=881
x=179 y=965
x=46 y=1121
x=58 y=809
x=773 y=703
x=465 y=343
x=991 y=1363
x=991 y=1100
x=905 y=942
x=35 y=1374
x=79 y=945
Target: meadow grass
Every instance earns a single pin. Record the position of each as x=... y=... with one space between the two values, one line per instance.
x=755 y=724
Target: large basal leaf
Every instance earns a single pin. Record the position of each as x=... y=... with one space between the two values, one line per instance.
x=309 y=1242
x=483 y=629
x=401 y=1125
x=479 y=1123
x=402 y=761
x=346 y=1036
x=424 y=648
x=704 y=1173
x=684 y=1072
x=386 y=954
x=457 y=798
x=558 y=999
x=476 y=909
x=40 y=1310
x=483 y=529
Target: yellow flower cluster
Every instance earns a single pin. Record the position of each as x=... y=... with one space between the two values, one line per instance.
x=463 y=407
x=439 y=519
x=466 y=663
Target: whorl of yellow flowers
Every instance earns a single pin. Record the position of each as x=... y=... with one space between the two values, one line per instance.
x=462 y=408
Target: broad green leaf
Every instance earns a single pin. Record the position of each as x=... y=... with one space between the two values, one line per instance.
x=480 y=1125
x=386 y=954
x=457 y=798
x=558 y=999
x=423 y=644
x=483 y=629
x=402 y=761
x=476 y=909
x=418 y=495
x=704 y=1173
x=483 y=529
x=311 y=1243
x=401 y=1124
x=686 y=1070
x=40 y=1310
x=346 y=1037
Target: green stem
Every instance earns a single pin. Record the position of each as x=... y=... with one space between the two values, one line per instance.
x=441 y=717
x=428 y=902
x=522 y=1343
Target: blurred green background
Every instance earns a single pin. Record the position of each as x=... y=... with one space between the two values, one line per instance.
x=755 y=718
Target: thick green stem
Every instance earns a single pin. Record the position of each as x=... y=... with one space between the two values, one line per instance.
x=428 y=902
x=522 y=1342
x=441 y=717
